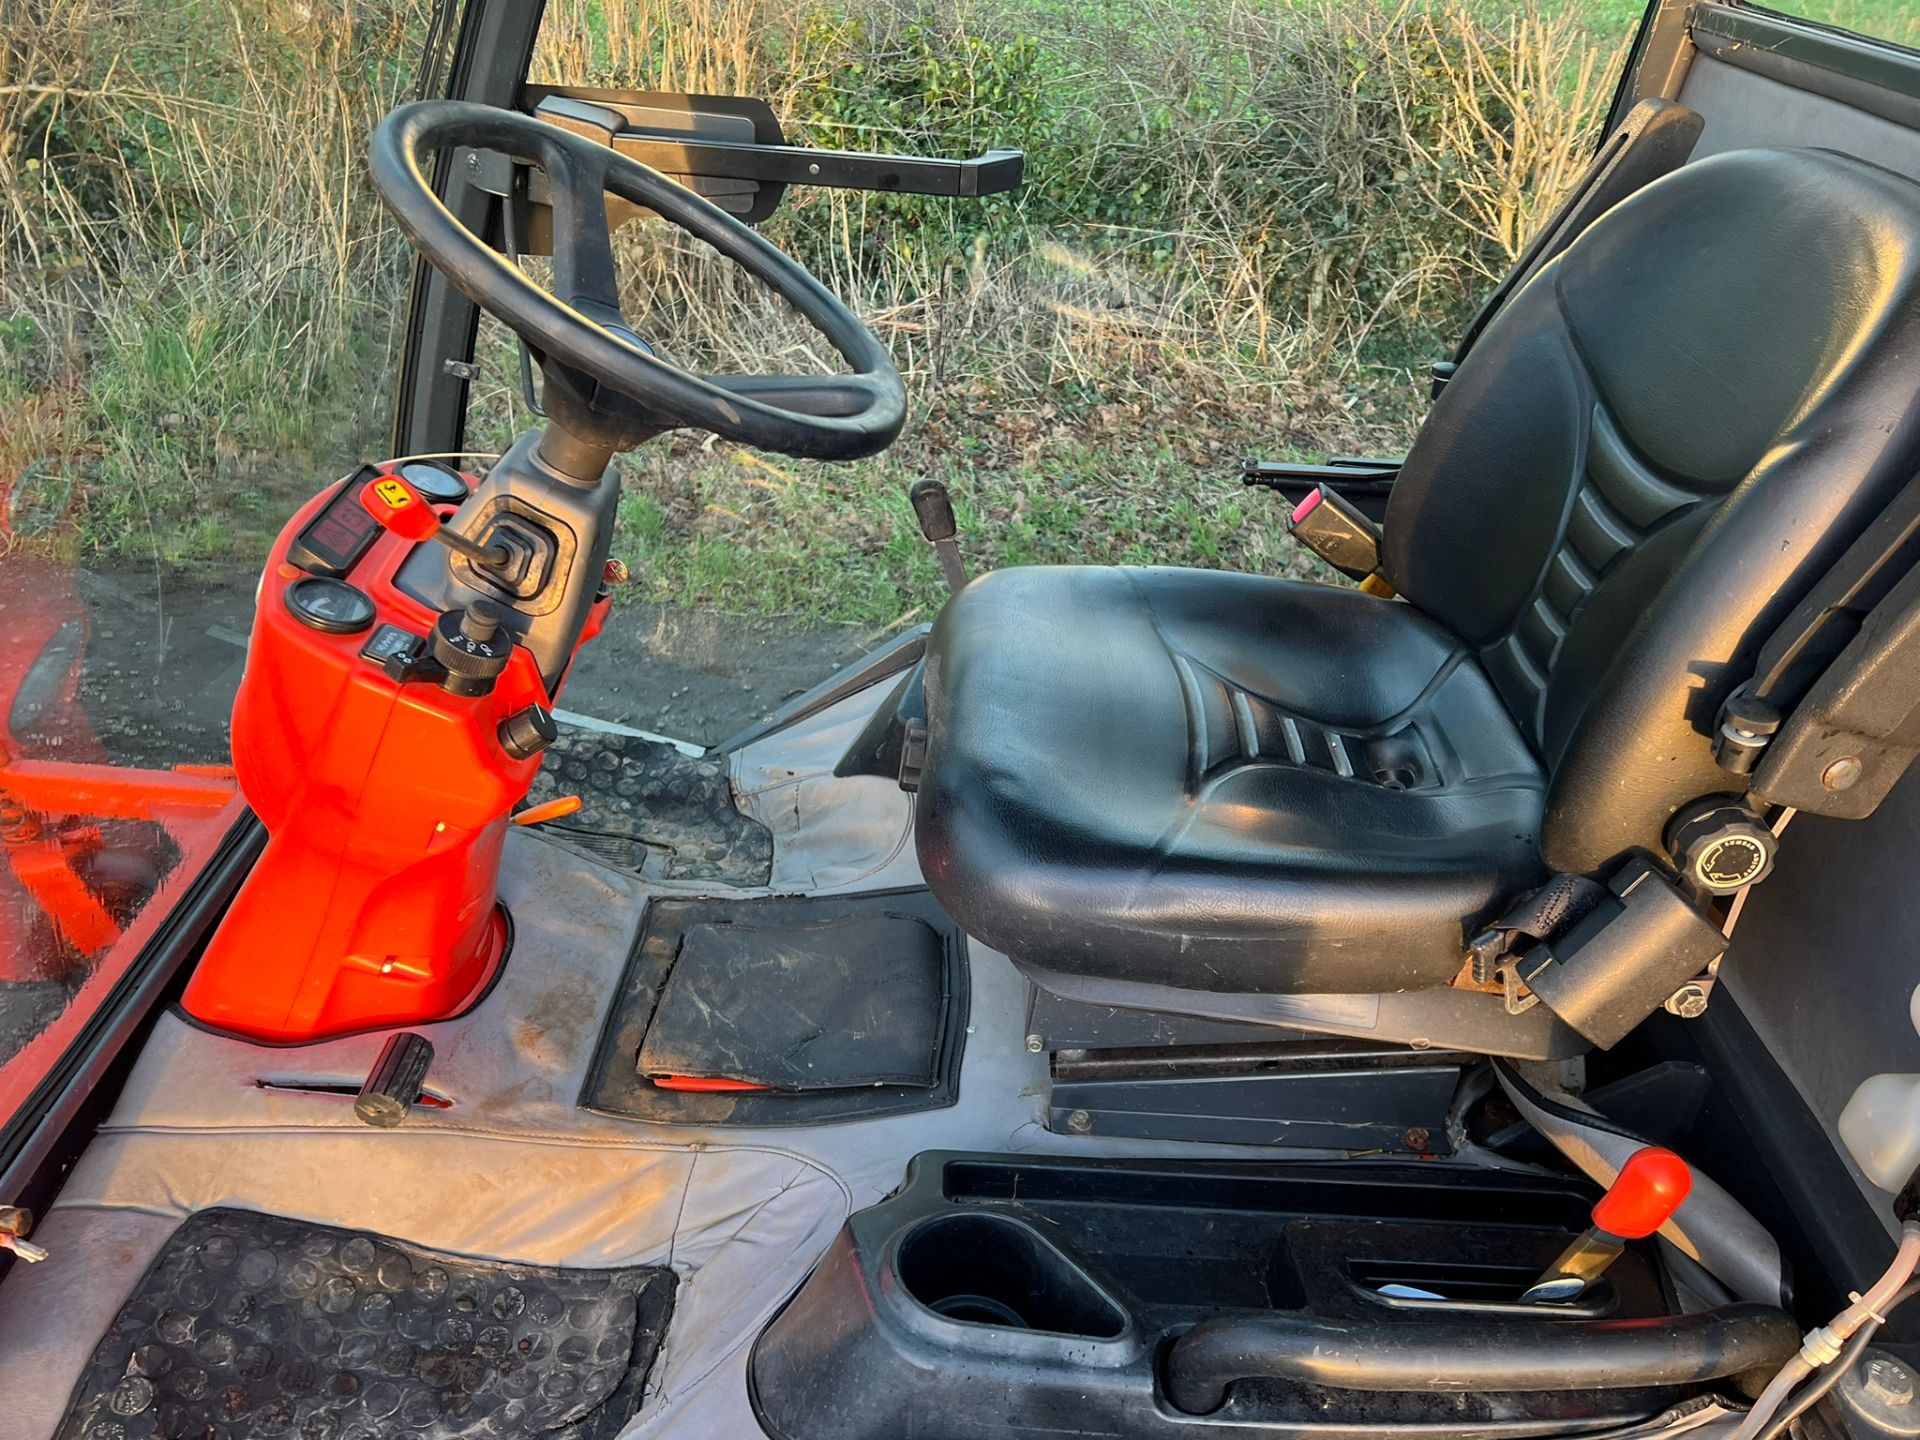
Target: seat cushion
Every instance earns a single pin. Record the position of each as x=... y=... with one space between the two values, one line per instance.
x=1217 y=781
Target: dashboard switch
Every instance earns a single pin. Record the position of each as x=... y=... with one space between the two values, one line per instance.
x=525 y=733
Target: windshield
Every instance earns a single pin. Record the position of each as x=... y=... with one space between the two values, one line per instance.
x=197 y=306
x=1245 y=230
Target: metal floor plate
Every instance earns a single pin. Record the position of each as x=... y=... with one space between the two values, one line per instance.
x=252 y=1325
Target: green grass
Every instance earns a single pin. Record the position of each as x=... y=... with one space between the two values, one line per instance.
x=723 y=526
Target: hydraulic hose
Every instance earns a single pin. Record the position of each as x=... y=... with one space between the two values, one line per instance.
x=1522 y=1355
x=1825 y=1342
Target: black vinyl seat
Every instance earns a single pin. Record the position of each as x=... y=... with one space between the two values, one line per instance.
x=1185 y=774
x=1229 y=783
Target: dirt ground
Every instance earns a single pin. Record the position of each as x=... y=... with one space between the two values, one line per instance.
x=165 y=656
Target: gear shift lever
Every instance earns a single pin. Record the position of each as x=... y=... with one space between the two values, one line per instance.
x=405 y=511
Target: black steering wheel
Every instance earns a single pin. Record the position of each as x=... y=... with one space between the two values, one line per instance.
x=580 y=324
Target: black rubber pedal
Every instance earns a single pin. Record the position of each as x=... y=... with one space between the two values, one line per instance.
x=396 y=1082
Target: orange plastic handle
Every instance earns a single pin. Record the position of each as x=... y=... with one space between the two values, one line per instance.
x=706 y=1084
x=400 y=508
x=550 y=810
x=1649 y=1188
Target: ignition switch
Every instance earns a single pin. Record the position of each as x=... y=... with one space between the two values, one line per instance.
x=472 y=646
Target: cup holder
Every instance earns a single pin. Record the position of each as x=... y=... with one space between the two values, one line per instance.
x=982 y=1269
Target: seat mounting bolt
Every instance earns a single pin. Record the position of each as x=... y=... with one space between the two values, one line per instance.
x=1689 y=1002
x=1842 y=774
x=1079 y=1122
x=1036 y=1044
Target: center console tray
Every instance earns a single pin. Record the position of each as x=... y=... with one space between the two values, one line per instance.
x=999 y=1295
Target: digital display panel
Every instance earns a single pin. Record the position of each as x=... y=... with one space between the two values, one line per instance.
x=334 y=540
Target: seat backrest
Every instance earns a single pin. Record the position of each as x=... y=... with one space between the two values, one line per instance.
x=1650 y=456
x=1653 y=139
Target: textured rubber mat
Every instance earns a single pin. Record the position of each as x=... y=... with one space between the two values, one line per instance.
x=849 y=1006
x=250 y=1325
x=648 y=808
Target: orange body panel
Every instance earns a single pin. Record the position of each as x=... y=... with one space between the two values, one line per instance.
x=386 y=803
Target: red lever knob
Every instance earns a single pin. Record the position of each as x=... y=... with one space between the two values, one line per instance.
x=400 y=508
x=1649 y=1188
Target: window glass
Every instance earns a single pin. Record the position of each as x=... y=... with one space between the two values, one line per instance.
x=197 y=304
x=1895 y=20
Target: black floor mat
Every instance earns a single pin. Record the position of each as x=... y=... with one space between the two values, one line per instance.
x=646 y=807
x=850 y=1007
x=250 y=1325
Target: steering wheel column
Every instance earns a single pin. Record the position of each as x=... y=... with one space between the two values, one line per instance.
x=607 y=390
x=557 y=531
x=398 y=691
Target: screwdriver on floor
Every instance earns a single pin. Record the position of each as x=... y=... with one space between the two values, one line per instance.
x=1649 y=1188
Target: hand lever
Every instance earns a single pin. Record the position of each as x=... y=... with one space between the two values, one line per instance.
x=1643 y=1196
x=405 y=511
x=933 y=506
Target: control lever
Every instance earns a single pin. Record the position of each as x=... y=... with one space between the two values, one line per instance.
x=405 y=511
x=1649 y=1188
x=934 y=507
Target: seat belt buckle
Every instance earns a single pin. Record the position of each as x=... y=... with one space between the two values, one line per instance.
x=1333 y=528
x=1622 y=959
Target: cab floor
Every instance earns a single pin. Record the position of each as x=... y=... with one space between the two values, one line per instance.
x=510 y=1168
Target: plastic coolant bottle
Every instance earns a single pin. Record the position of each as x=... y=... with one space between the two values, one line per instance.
x=1881 y=1124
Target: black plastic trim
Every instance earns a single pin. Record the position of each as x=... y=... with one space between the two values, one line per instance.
x=1784 y=1167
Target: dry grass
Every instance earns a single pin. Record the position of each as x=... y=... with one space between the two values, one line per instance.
x=190 y=252
x=1295 y=204
x=1245 y=223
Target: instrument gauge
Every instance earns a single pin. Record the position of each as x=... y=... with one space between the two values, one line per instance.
x=330 y=605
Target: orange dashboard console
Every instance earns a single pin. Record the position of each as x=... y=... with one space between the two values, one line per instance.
x=394 y=709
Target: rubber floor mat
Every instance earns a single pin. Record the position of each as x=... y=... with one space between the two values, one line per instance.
x=848 y=1007
x=647 y=808
x=249 y=1325
x=854 y=1001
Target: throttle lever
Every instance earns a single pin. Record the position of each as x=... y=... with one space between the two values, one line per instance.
x=1649 y=1188
x=405 y=511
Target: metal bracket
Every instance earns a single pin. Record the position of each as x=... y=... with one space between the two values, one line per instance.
x=728 y=149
